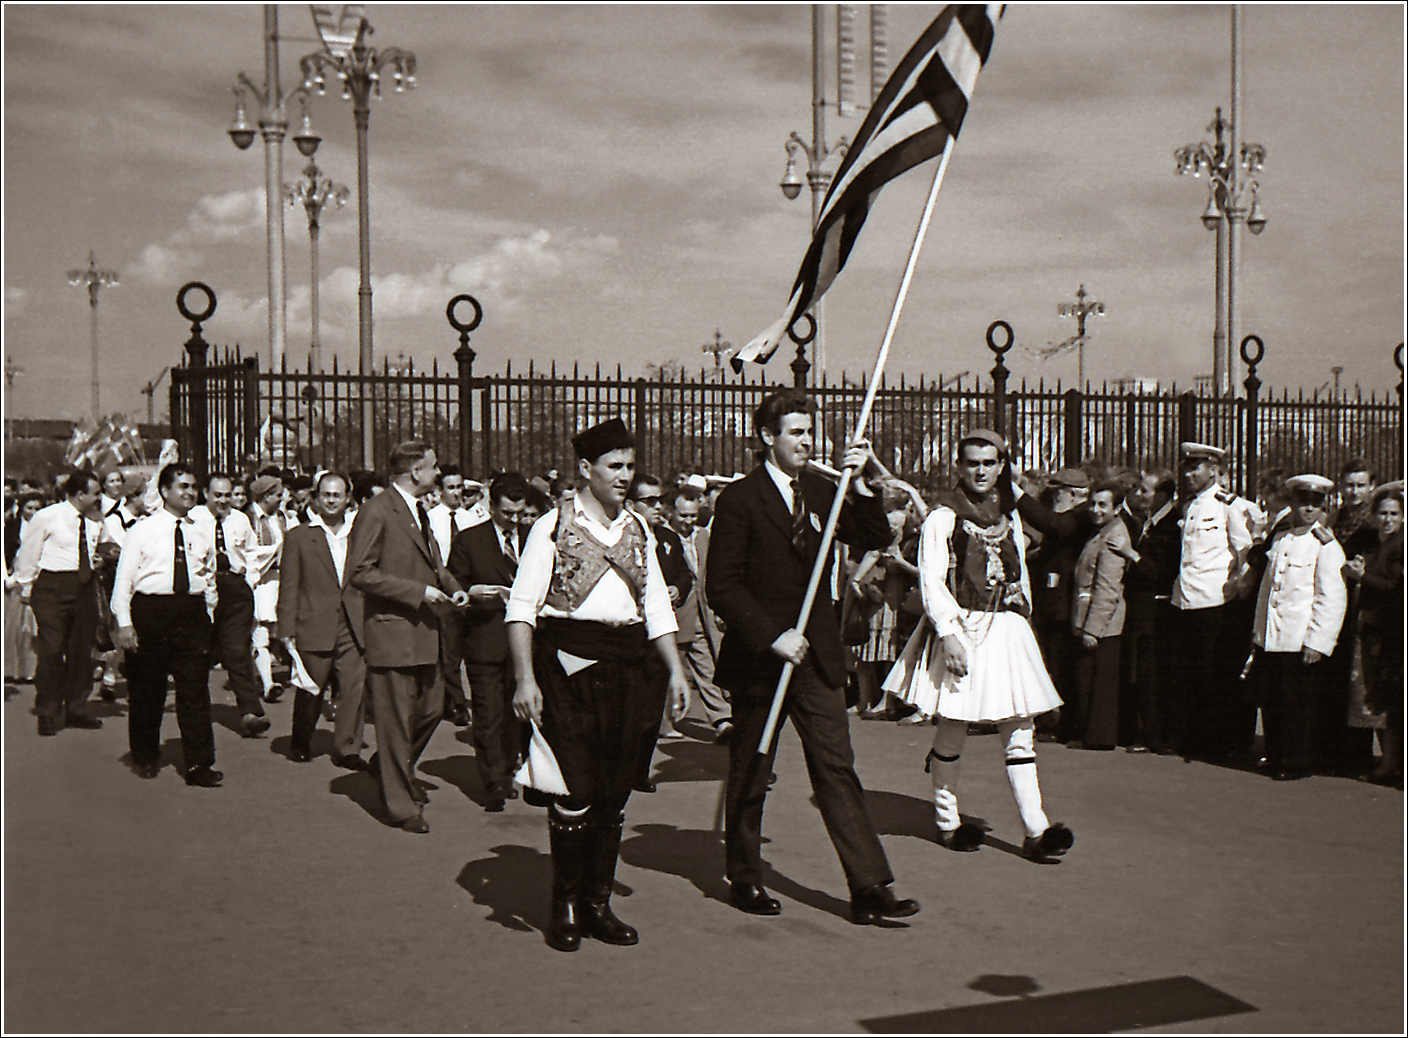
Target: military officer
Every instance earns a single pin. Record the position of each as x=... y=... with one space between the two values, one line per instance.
x=1210 y=645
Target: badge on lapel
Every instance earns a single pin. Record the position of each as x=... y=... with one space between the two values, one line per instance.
x=816 y=525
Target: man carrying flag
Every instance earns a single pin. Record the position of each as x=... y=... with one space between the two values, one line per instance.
x=917 y=113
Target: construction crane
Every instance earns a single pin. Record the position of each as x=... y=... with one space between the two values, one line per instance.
x=150 y=390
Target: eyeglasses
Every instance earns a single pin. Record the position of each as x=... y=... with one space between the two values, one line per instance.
x=654 y=500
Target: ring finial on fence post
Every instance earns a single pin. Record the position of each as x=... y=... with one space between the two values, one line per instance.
x=999 y=375
x=800 y=365
x=1251 y=439
x=1398 y=363
x=197 y=441
x=464 y=358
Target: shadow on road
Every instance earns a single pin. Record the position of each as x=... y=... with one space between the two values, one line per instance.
x=689 y=761
x=460 y=771
x=513 y=885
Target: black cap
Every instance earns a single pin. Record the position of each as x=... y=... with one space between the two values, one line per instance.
x=611 y=435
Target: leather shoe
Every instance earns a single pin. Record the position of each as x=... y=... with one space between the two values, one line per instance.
x=458 y=715
x=299 y=755
x=275 y=693
x=494 y=807
x=644 y=786
x=47 y=726
x=1049 y=846
x=146 y=771
x=872 y=904
x=600 y=922
x=415 y=824
x=208 y=778
x=352 y=762
x=81 y=719
x=253 y=725
x=967 y=837
x=753 y=899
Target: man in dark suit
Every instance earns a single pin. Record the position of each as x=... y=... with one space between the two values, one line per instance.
x=320 y=621
x=396 y=567
x=766 y=535
x=1155 y=720
x=484 y=560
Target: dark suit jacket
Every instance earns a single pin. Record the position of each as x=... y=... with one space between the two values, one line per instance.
x=674 y=567
x=392 y=565
x=756 y=579
x=310 y=596
x=476 y=558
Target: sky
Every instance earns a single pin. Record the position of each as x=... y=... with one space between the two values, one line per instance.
x=604 y=180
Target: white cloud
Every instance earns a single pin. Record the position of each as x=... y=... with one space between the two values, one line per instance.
x=214 y=219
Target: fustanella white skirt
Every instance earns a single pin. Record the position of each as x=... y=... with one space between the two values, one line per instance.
x=1006 y=676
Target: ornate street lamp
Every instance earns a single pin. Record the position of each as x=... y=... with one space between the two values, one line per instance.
x=1082 y=308
x=347 y=57
x=272 y=125
x=1232 y=200
x=315 y=192
x=93 y=279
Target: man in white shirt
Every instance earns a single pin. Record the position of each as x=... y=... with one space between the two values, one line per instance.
x=1212 y=575
x=234 y=541
x=587 y=601
x=163 y=601
x=1299 y=611
x=266 y=494
x=54 y=570
x=448 y=518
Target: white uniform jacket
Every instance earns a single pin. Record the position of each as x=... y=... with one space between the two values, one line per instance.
x=1302 y=600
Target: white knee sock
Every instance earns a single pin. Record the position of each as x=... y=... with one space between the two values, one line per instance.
x=1019 y=737
x=943 y=770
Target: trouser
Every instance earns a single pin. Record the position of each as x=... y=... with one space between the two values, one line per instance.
x=66 y=621
x=1053 y=634
x=1019 y=748
x=234 y=640
x=699 y=660
x=345 y=661
x=1209 y=647
x=451 y=637
x=1290 y=694
x=1146 y=716
x=497 y=732
x=818 y=712
x=173 y=638
x=409 y=703
x=1098 y=690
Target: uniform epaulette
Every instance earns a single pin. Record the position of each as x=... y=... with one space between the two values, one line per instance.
x=1224 y=496
x=1322 y=535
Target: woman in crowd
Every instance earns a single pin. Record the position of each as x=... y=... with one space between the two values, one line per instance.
x=1097 y=620
x=882 y=582
x=1380 y=627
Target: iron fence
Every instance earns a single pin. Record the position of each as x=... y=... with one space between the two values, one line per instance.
x=232 y=416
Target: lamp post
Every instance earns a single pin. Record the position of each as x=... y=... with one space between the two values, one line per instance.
x=820 y=168
x=272 y=125
x=1080 y=310
x=11 y=370
x=1232 y=200
x=315 y=192
x=719 y=349
x=93 y=279
x=347 y=57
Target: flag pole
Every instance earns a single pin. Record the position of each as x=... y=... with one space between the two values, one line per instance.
x=829 y=531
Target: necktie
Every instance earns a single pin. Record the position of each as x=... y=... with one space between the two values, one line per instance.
x=180 y=575
x=222 y=561
x=511 y=545
x=799 y=518
x=85 y=562
x=266 y=535
x=424 y=518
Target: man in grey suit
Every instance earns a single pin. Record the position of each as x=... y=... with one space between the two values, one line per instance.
x=395 y=565
x=320 y=620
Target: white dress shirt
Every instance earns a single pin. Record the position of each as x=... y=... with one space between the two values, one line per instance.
x=49 y=541
x=1302 y=600
x=611 y=600
x=241 y=544
x=118 y=522
x=145 y=565
x=337 y=540
x=1217 y=532
x=444 y=526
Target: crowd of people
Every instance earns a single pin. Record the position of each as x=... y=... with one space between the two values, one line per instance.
x=570 y=620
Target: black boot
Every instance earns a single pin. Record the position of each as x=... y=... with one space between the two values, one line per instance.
x=597 y=918
x=569 y=842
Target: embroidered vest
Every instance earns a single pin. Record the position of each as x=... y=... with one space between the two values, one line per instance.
x=580 y=561
x=984 y=568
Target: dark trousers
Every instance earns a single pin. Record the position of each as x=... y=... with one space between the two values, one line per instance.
x=1290 y=691
x=1146 y=714
x=409 y=703
x=66 y=621
x=818 y=712
x=497 y=733
x=173 y=638
x=1208 y=651
x=345 y=661
x=234 y=645
x=1098 y=692
x=1058 y=650
x=451 y=637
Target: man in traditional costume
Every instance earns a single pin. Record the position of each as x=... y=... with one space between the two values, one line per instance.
x=977 y=660
x=587 y=598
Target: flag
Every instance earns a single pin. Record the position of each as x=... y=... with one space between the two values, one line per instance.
x=918 y=112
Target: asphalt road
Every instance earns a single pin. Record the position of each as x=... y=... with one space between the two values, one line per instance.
x=1196 y=900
